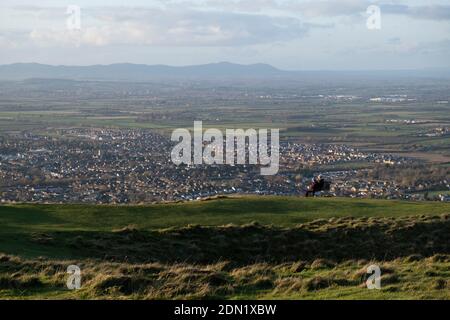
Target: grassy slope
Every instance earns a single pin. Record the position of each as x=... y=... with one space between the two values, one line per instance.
x=401 y=279
x=279 y=211
x=24 y=228
x=18 y=221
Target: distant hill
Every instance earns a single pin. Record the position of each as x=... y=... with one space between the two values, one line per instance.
x=128 y=71
x=221 y=70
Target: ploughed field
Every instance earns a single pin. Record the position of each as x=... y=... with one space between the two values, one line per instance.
x=232 y=248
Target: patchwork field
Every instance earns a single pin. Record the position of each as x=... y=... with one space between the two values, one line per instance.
x=232 y=248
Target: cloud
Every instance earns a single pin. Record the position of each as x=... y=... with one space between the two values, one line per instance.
x=290 y=7
x=399 y=48
x=323 y=8
x=430 y=12
x=329 y=8
x=436 y=47
x=162 y=27
x=358 y=7
x=394 y=41
x=196 y=23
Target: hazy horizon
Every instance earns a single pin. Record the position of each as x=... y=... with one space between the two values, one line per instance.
x=225 y=62
x=289 y=35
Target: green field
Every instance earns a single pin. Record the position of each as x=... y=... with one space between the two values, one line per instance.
x=267 y=210
x=233 y=248
x=356 y=124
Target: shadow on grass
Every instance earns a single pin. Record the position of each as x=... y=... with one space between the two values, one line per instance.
x=16 y=216
x=336 y=239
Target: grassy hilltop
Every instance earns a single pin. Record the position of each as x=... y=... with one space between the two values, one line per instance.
x=239 y=247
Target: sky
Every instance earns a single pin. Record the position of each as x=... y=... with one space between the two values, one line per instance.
x=288 y=34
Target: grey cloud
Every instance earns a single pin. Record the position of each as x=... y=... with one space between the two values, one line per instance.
x=394 y=41
x=210 y=28
x=356 y=7
x=328 y=8
x=146 y=26
x=430 y=12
